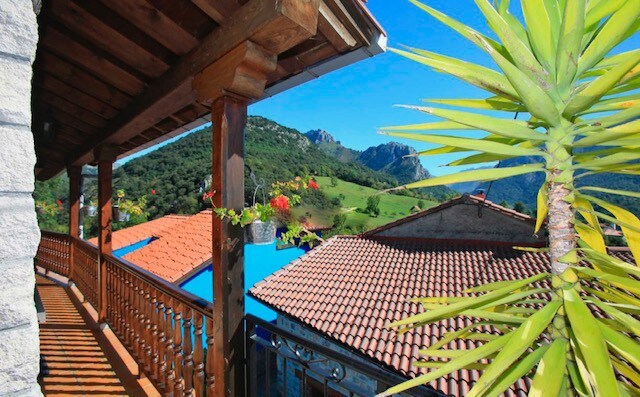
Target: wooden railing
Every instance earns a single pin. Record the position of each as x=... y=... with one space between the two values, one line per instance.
x=165 y=328
x=53 y=252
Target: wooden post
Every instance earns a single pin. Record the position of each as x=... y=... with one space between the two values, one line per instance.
x=75 y=183
x=106 y=156
x=229 y=119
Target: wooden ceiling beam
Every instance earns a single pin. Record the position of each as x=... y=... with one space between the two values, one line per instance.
x=76 y=96
x=218 y=10
x=334 y=30
x=72 y=109
x=109 y=38
x=78 y=78
x=275 y=25
x=64 y=46
x=160 y=27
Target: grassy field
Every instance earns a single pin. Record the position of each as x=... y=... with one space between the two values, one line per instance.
x=392 y=206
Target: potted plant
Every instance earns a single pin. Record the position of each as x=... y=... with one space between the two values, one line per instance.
x=92 y=208
x=126 y=208
x=262 y=218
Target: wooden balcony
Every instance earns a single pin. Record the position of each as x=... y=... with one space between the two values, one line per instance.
x=167 y=331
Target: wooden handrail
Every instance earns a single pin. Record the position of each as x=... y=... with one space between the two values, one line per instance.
x=165 y=328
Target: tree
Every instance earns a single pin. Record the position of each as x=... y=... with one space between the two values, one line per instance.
x=334 y=181
x=421 y=204
x=373 y=205
x=584 y=119
x=519 y=207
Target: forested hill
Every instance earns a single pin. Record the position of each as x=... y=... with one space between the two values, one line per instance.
x=273 y=152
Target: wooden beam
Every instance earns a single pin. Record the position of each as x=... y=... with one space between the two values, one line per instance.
x=72 y=109
x=275 y=25
x=73 y=94
x=229 y=116
x=218 y=10
x=334 y=30
x=162 y=28
x=243 y=72
x=106 y=156
x=75 y=191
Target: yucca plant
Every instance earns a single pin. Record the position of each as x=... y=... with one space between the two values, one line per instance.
x=584 y=118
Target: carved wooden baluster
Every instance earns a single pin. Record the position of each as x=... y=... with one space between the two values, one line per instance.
x=148 y=311
x=124 y=310
x=130 y=313
x=177 y=349
x=169 y=330
x=210 y=378
x=198 y=355
x=136 y=319
x=154 y=337
x=162 y=340
x=142 y=351
x=188 y=352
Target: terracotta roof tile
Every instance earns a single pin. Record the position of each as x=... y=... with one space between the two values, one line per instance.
x=182 y=244
x=351 y=287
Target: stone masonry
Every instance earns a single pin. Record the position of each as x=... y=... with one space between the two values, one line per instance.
x=19 y=234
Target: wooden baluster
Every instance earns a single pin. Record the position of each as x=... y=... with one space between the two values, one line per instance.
x=123 y=306
x=162 y=340
x=142 y=349
x=210 y=378
x=148 y=312
x=130 y=311
x=188 y=352
x=198 y=356
x=177 y=349
x=169 y=330
x=136 y=322
x=154 y=338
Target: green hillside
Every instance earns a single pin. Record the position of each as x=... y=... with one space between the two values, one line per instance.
x=353 y=199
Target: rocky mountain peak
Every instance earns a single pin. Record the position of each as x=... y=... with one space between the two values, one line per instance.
x=320 y=136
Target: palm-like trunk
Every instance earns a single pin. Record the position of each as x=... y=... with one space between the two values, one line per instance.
x=562 y=237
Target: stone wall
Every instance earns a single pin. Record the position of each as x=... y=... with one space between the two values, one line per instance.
x=19 y=234
x=462 y=222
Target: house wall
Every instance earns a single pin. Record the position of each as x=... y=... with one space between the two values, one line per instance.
x=461 y=222
x=19 y=234
x=366 y=386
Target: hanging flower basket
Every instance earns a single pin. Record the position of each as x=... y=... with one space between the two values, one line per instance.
x=120 y=216
x=91 y=210
x=262 y=233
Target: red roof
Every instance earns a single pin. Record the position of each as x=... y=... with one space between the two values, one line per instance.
x=182 y=244
x=349 y=288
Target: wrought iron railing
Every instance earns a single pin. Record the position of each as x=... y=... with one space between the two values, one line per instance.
x=281 y=363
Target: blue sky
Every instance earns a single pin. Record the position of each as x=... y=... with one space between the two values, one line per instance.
x=352 y=103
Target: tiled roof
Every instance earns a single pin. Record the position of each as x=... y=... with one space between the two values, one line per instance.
x=181 y=245
x=350 y=287
x=155 y=228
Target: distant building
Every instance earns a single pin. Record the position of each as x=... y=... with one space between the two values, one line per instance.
x=344 y=293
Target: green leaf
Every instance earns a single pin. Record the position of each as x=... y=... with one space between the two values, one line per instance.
x=472 y=356
x=610 y=35
x=471 y=303
x=632 y=235
x=520 y=341
x=440 y=125
x=591 y=236
x=626 y=283
x=493 y=103
x=516 y=44
x=477 y=175
x=503 y=127
x=622 y=318
x=598 y=88
x=541 y=31
x=518 y=370
x=570 y=44
x=613 y=264
x=614 y=159
x=550 y=373
x=535 y=97
x=479 y=159
x=614 y=104
x=626 y=347
x=543 y=206
x=611 y=191
x=471 y=144
x=591 y=343
x=601 y=9
x=618 y=118
x=479 y=76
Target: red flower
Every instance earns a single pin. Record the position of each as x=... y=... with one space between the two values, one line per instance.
x=313 y=185
x=280 y=202
x=207 y=196
x=59 y=203
x=153 y=191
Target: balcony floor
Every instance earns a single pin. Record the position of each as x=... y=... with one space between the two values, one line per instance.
x=76 y=357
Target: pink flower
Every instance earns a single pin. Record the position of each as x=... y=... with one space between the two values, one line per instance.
x=313 y=185
x=207 y=196
x=280 y=202
x=59 y=203
x=153 y=191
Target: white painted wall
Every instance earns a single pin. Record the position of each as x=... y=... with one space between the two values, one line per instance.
x=19 y=234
